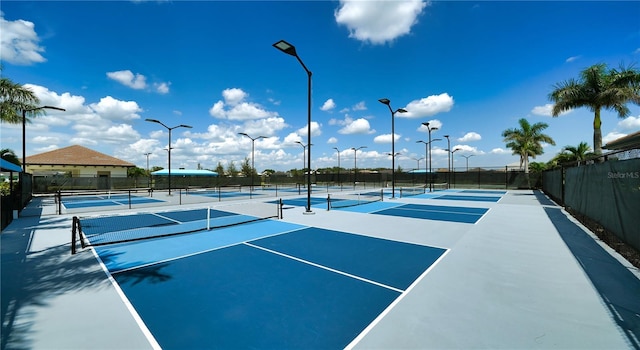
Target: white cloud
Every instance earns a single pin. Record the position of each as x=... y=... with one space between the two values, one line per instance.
x=315 y=130
x=386 y=138
x=360 y=106
x=332 y=140
x=238 y=109
x=378 y=22
x=233 y=96
x=358 y=126
x=500 y=151
x=428 y=106
x=546 y=110
x=612 y=136
x=328 y=105
x=470 y=136
x=19 y=42
x=630 y=123
x=127 y=78
x=162 y=88
x=572 y=58
x=113 y=109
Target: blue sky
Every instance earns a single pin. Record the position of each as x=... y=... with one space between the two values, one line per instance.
x=472 y=69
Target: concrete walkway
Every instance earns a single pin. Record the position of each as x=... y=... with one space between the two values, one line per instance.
x=526 y=276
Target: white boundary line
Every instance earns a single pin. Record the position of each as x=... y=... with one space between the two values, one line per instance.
x=143 y=327
x=325 y=268
x=362 y=334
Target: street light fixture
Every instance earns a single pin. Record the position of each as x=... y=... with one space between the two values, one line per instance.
x=387 y=102
x=418 y=159
x=469 y=156
x=148 y=173
x=448 y=160
x=304 y=150
x=24 y=131
x=337 y=150
x=430 y=170
x=452 y=167
x=169 y=149
x=355 y=164
x=291 y=50
x=253 y=141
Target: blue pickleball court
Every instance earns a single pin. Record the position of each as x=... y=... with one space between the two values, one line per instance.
x=467 y=215
x=303 y=288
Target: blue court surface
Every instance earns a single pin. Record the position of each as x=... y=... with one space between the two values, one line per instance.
x=250 y=287
x=435 y=212
x=104 y=201
x=455 y=197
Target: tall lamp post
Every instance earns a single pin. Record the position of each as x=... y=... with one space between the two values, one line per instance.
x=418 y=159
x=430 y=171
x=148 y=173
x=253 y=141
x=291 y=50
x=355 y=163
x=387 y=102
x=448 y=160
x=337 y=150
x=24 y=131
x=304 y=150
x=169 y=150
x=469 y=156
x=452 y=167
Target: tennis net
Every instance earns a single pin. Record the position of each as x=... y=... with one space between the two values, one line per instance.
x=412 y=191
x=103 y=230
x=344 y=200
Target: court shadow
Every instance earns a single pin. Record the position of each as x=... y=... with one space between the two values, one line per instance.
x=32 y=279
x=618 y=287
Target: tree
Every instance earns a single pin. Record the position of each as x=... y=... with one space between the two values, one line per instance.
x=596 y=89
x=14 y=98
x=219 y=169
x=246 y=169
x=526 y=141
x=10 y=156
x=136 y=172
x=231 y=170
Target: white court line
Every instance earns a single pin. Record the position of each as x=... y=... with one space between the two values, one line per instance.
x=143 y=327
x=393 y=304
x=199 y=252
x=325 y=268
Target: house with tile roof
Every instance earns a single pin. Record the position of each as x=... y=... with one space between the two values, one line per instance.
x=77 y=161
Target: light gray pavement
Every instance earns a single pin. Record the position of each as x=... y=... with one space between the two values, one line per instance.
x=526 y=276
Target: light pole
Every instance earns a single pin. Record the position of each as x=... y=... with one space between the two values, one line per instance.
x=452 y=167
x=253 y=141
x=291 y=50
x=148 y=173
x=169 y=150
x=355 y=164
x=24 y=131
x=469 y=156
x=393 y=142
x=337 y=150
x=418 y=159
x=430 y=171
x=304 y=150
x=448 y=160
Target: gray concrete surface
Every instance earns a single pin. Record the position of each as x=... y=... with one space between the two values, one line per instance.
x=526 y=276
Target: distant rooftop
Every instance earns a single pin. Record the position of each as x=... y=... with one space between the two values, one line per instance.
x=75 y=155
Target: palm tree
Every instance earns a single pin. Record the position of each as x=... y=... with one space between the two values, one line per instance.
x=526 y=141
x=10 y=156
x=598 y=88
x=579 y=153
x=14 y=98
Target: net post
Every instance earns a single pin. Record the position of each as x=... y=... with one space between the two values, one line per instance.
x=328 y=201
x=280 y=205
x=59 y=200
x=381 y=195
x=129 y=199
x=208 y=218
x=73 y=235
